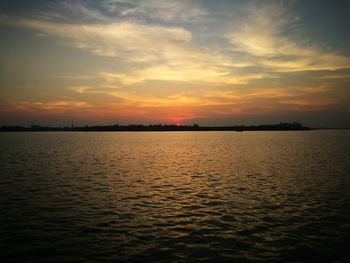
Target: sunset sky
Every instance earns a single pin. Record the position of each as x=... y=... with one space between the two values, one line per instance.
x=205 y=62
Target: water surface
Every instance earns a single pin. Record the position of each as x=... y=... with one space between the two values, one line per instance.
x=175 y=196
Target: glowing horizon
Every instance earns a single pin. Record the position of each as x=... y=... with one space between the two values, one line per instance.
x=178 y=62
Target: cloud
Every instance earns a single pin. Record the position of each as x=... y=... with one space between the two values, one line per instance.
x=179 y=11
x=148 y=52
x=163 y=52
x=187 y=72
x=47 y=108
x=181 y=106
x=80 y=89
x=311 y=103
x=130 y=41
x=336 y=76
x=263 y=35
x=161 y=67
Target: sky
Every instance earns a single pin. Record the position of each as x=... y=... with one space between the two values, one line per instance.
x=223 y=62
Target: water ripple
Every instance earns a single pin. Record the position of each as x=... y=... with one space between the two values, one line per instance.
x=175 y=197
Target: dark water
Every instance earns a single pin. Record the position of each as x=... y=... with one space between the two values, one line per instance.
x=175 y=197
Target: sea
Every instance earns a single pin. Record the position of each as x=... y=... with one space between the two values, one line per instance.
x=274 y=196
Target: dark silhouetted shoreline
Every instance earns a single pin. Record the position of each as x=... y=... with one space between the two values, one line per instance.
x=294 y=126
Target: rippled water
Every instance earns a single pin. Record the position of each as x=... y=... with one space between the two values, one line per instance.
x=175 y=196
